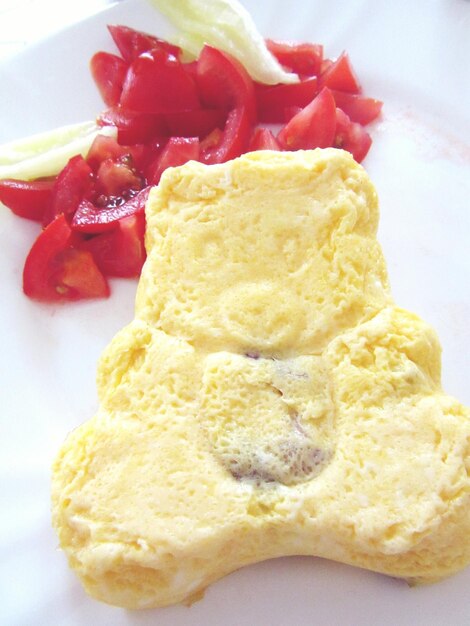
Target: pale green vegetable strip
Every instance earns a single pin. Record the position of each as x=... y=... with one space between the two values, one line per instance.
x=227 y=25
x=45 y=154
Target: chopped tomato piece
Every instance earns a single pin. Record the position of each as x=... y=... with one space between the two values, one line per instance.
x=341 y=76
x=313 y=127
x=109 y=72
x=104 y=148
x=29 y=199
x=115 y=176
x=194 y=123
x=289 y=113
x=233 y=140
x=120 y=252
x=223 y=82
x=56 y=271
x=358 y=108
x=325 y=64
x=212 y=140
x=272 y=101
x=176 y=152
x=73 y=183
x=351 y=136
x=301 y=58
x=132 y=43
x=91 y=219
x=133 y=127
x=156 y=82
x=263 y=139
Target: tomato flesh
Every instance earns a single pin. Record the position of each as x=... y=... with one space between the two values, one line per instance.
x=313 y=127
x=120 y=252
x=55 y=271
x=351 y=136
x=341 y=76
x=109 y=72
x=132 y=43
x=28 y=199
x=197 y=123
x=272 y=101
x=73 y=183
x=156 y=82
x=358 y=108
x=176 y=152
x=263 y=139
x=302 y=58
x=133 y=127
x=223 y=82
x=233 y=140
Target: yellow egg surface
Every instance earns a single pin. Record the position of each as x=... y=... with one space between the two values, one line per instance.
x=268 y=399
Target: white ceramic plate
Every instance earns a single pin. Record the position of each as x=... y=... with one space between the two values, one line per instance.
x=414 y=56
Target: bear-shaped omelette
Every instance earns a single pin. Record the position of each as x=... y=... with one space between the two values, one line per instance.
x=268 y=399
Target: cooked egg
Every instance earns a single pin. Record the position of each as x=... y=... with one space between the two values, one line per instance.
x=268 y=399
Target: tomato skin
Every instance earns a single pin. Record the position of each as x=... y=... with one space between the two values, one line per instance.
x=156 y=82
x=120 y=252
x=223 y=82
x=55 y=271
x=351 y=136
x=73 y=183
x=301 y=58
x=263 y=139
x=341 y=76
x=91 y=219
x=272 y=101
x=358 y=108
x=313 y=127
x=109 y=72
x=194 y=123
x=132 y=43
x=133 y=127
x=233 y=140
x=28 y=199
x=177 y=151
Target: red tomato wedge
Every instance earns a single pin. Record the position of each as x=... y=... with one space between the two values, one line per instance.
x=263 y=139
x=120 y=252
x=29 y=199
x=55 y=271
x=341 y=76
x=223 y=82
x=106 y=148
x=132 y=43
x=73 y=183
x=194 y=123
x=103 y=148
x=272 y=101
x=176 y=152
x=302 y=58
x=133 y=127
x=358 y=108
x=116 y=178
x=91 y=219
x=233 y=140
x=109 y=72
x=313 y=127
x=156 y=82
x=351 y=136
